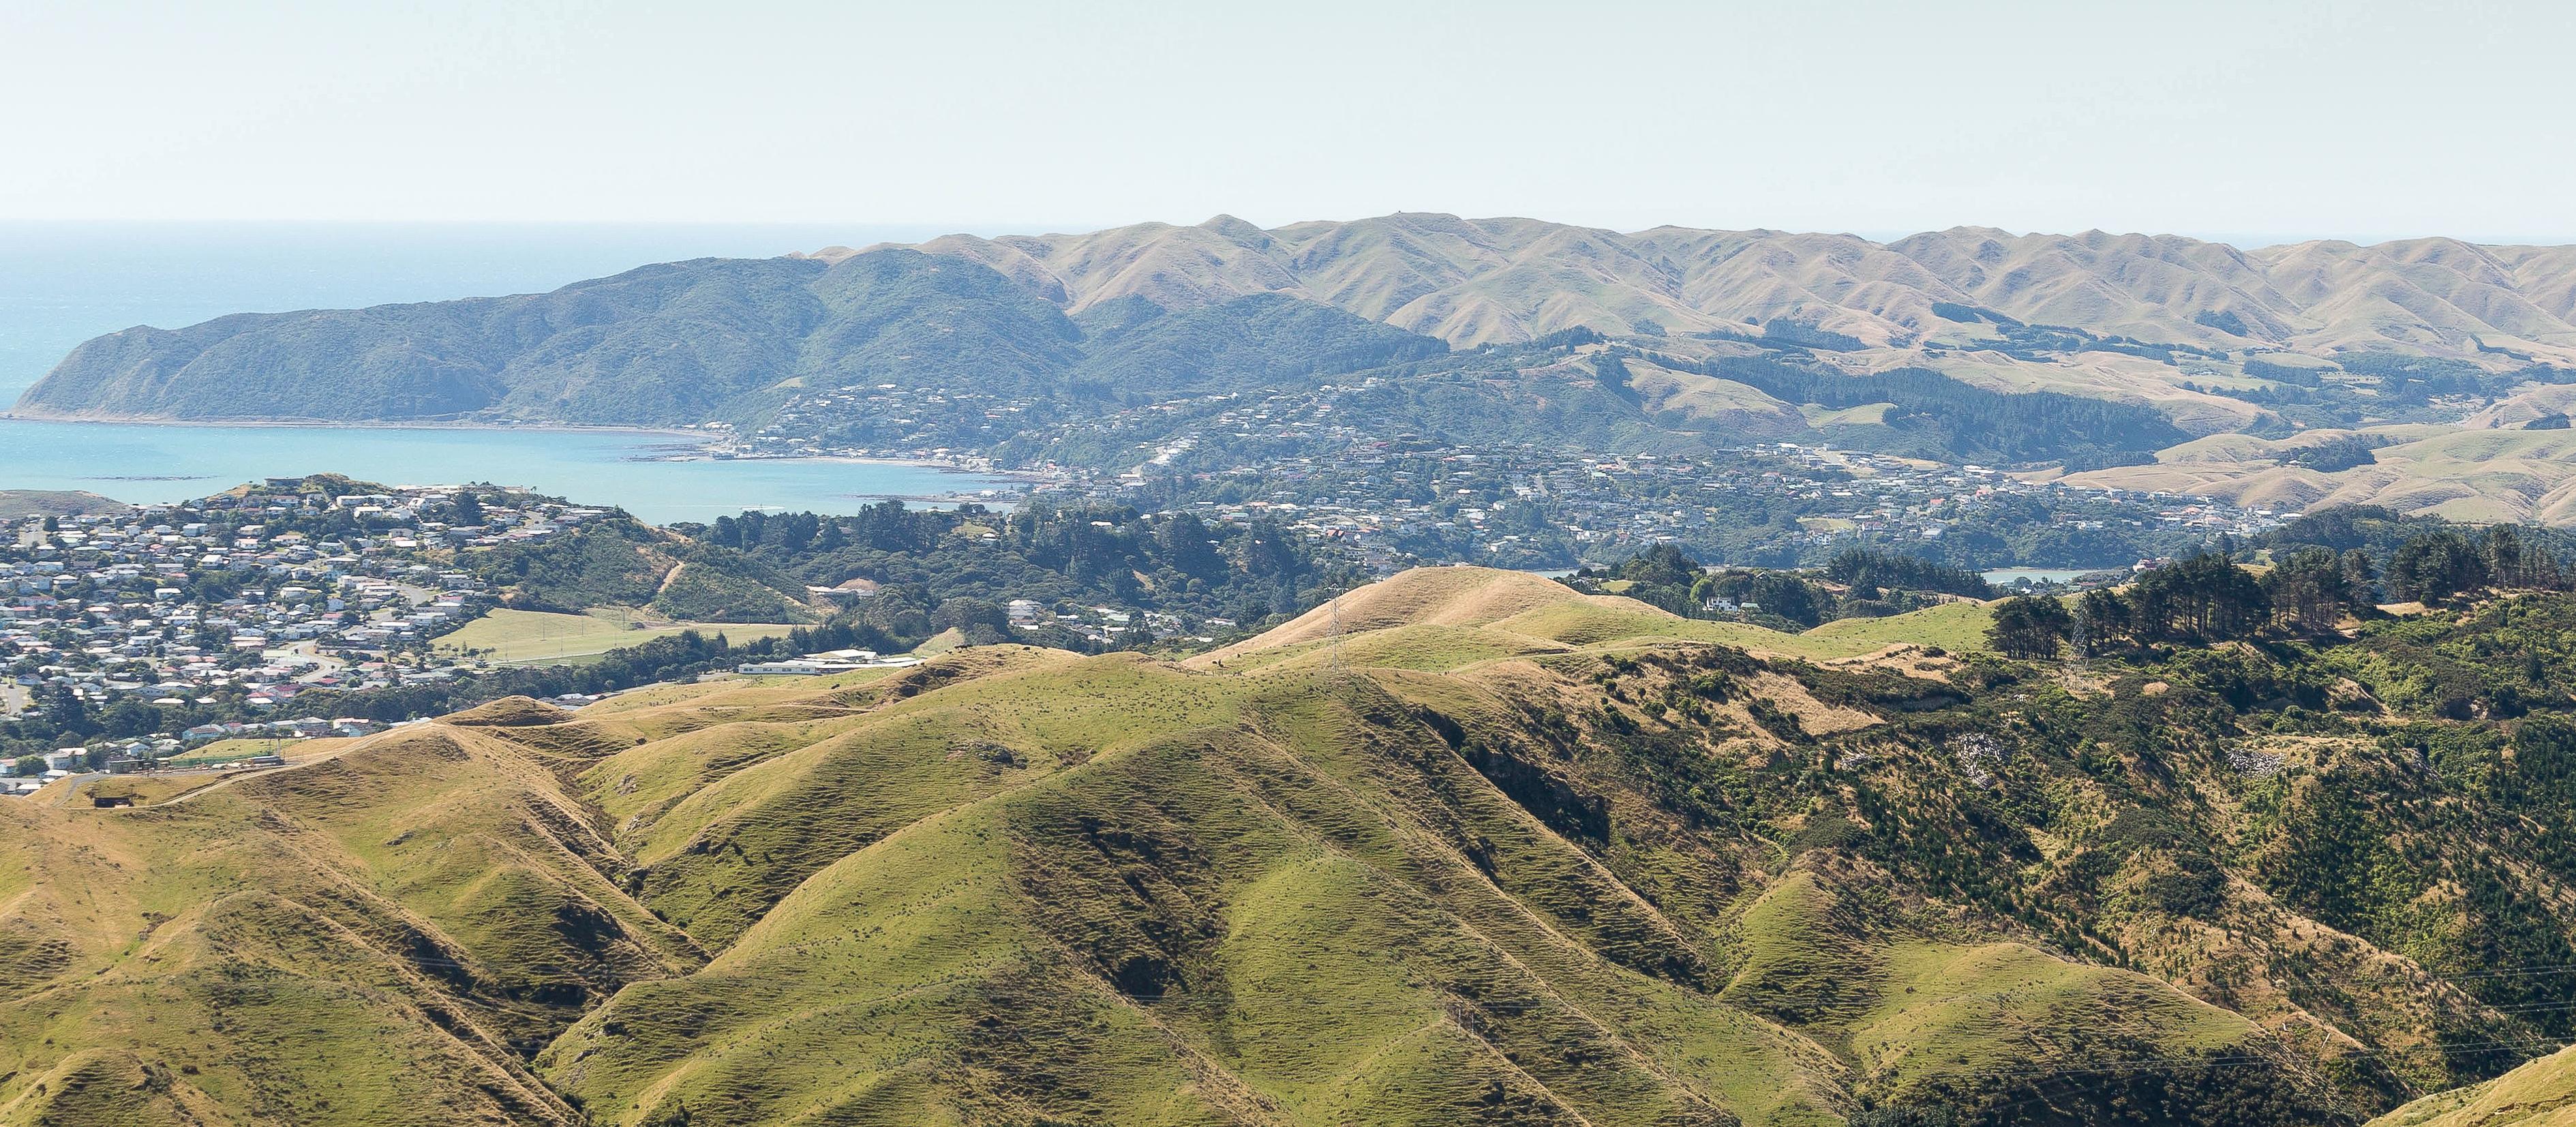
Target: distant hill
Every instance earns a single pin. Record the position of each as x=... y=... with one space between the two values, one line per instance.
x=705 y=339
x=1473 y=281
x=687 y=342
x=15 y=503
x=1472 y=848
x=1483 y=332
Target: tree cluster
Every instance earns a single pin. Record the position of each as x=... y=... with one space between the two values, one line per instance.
x=2307 y=592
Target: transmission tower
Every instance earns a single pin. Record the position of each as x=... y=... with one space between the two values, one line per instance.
x=1333 y=648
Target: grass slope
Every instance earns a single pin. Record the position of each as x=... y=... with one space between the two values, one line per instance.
x=373 y=938
x=1511 y=855
x=1437 y=618
x=531 y=637
x=2539 y=1094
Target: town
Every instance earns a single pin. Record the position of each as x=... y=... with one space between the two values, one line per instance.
x=130 y=631
x=1306 y=457
x=144 y=634
x=1318 y=458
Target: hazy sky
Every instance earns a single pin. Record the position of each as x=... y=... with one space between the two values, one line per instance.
x=2356 y=118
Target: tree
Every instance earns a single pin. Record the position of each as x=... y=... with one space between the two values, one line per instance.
x=1184 y=540
x=2360 y=576
x=1663 y=565
x=2436 y=567
x=2517 y=560
x=960 y=613
x=130 y=717
x=66 y=711
x=2102 y=617
x=2309 y=591
x=2199 y=599
x=2031 y=626
x=30 y=766
x=2505 y=551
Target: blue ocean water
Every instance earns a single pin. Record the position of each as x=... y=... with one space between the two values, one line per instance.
x=61 y=284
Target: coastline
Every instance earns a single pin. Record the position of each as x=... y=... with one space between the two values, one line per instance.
x=873 y=460
x=702 y=446
x=13 y=416
x=663 y=474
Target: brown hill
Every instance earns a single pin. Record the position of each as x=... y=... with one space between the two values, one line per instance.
x=1473 y=281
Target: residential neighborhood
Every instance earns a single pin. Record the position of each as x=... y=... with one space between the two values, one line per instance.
x=112 y=624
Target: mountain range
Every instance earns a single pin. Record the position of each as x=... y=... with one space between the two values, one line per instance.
x=681 y=342
x=1486 y=333
x=1476 y=281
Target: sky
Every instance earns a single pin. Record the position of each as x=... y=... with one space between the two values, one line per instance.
x=2252 y=121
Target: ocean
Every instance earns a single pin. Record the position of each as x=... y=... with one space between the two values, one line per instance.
x=63 y=283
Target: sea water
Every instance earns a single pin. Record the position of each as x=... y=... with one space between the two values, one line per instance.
x=61 y=284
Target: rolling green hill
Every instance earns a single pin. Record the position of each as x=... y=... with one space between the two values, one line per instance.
x=1469 y=847
x=2539 y=1094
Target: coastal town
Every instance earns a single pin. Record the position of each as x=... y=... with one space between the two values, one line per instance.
x=120 y=627
x=1314 y=458
x=150 y=632
x=1777 y=505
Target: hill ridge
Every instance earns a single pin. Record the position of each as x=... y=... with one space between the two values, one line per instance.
x=1475 y=281
x=739 y=340
x=1517 y=854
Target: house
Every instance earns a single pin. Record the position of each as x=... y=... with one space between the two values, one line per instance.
x=860 y=657
x=796 y=667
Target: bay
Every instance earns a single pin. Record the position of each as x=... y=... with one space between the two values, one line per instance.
x=61 y=284
x=144 y=463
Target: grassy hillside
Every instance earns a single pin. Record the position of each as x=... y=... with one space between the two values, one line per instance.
x=1476 y=281
x=1493 y=851
x=15 y=503
x=2539 y=1094
x=2465 y=475
x=528 y=636
x=378 y=937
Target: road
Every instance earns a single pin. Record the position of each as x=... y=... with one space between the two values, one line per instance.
x=324 y=664
x=74 y=783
